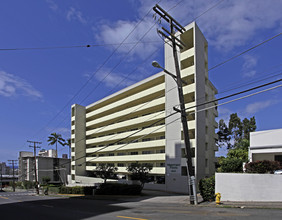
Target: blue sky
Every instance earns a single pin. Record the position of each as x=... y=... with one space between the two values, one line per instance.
x=37 y=87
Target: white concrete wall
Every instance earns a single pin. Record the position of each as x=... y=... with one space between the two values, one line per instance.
x=268 y=138
x=249 y=187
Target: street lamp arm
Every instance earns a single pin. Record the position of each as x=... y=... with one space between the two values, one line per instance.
x=157 y=65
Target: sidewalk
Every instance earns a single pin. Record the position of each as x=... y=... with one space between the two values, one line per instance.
x=242 y=205
x=172 y=198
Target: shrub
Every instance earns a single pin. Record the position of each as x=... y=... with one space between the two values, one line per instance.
x=118 y=189
x=28 y=184
x=231 y=165
x=265 y=166
x=71 y=190
x=207 y=188
x=46 y=180
x=19 y=184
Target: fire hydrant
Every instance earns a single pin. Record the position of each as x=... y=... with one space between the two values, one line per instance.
x=217 y=198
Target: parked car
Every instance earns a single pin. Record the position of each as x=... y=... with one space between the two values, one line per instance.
x=278 y=172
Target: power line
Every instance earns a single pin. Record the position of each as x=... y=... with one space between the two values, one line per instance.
x=215 y=105
x=90 y=78
x=265 y=41
x=74 y=46
x=198 y=105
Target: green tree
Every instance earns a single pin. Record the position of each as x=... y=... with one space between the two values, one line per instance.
x=105 y=172
x=68 y=143
x=54 y=139
x=235 y=137
x=139 y=172
x=236 y=133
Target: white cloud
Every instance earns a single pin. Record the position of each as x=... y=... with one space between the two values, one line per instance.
x=121 y=30
x=52 y=5
x=258 y=106
x=113 y=79
x=234 y=23
x=229 y=25
x=11 y=85
x=249 y=64
x=73 y=14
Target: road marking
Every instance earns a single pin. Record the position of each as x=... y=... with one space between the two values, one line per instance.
x=2 y=197
x=131 y=218
x=49 y=206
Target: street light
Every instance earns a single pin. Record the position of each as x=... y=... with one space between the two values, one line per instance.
x=157 y=65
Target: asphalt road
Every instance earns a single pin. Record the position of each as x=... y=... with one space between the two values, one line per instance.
x=20 y=205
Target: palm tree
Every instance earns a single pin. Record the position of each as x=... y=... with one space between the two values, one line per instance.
x=55 y=139
x=68 y=143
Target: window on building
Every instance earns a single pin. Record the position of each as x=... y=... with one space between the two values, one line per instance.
x=111 y=164
x=111 y=154
x=184 y=171
x=134 y=153
x=120 y=153
x=146 y=139
x=147 y=152
x=120 y=165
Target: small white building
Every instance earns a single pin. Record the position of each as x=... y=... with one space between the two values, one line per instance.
x=266 y=145
x=47 y=165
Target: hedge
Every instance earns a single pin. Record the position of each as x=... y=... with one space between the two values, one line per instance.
x=264 y=166
x=207 y=188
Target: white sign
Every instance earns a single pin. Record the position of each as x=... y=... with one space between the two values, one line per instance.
x=173 y=168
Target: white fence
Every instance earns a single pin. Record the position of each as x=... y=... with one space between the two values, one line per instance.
x=249 y=187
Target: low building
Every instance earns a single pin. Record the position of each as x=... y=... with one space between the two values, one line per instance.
x=46 y=166
x=137 y=124
x=266 y=145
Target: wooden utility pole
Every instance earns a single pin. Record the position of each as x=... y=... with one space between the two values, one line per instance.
x=174 y=25
x=1 y=190
x=35 y=170
x=12 y=162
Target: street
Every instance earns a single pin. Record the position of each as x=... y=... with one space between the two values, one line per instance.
x=27 y=205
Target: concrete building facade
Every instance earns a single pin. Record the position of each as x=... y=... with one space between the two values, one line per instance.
x=266 y=145
x=137 y=124
x=46 y=166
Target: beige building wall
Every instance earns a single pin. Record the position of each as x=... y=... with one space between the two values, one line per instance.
x=117 y=129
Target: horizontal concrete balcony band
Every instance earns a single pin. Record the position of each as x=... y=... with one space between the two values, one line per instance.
x=72 y=127
x=189 y=88
x=116 y=137
x=188 y=53
x=124 y=101
x=72 y=171
x=155 y=170
x=127 y=111
x=73 y=163
x=128 y=158
x=132 y=146
x=72 y=136
x=191 y=107
x=72 y=118
x=72 y=153
x=128 y=123
x=187 y=71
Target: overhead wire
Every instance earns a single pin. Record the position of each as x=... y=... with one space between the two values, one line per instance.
x=195 y=106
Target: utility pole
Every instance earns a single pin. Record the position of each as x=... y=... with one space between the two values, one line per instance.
x=35 y=171
x=174 y=25
x=12 y=162
x=1 y=190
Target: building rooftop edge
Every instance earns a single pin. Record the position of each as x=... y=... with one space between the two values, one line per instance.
x=127 y=88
